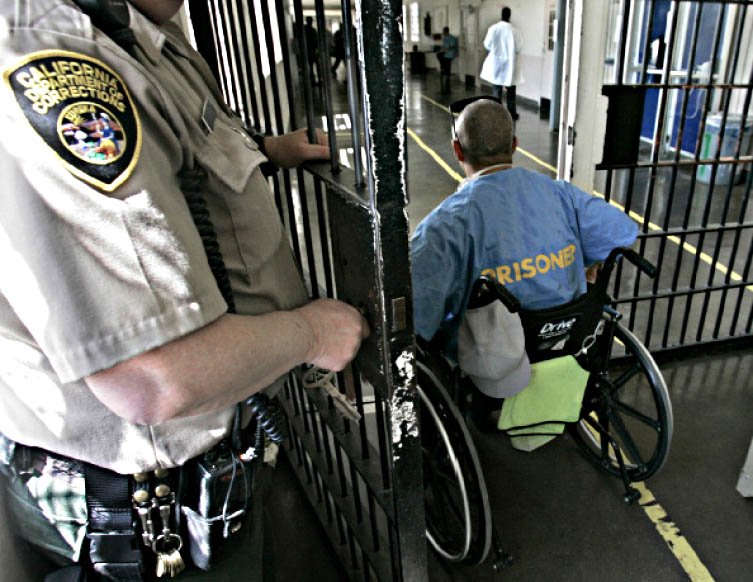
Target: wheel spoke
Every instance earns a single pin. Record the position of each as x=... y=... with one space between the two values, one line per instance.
x=599 y=431
x=449 y=504
x=624 y=378
x=627 y=403
x=446 y=476
x=627 y=440
x=636 y=414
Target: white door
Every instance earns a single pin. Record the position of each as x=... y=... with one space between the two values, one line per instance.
x=469 y=44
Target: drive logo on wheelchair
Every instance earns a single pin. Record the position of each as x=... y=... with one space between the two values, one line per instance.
x=556 y=328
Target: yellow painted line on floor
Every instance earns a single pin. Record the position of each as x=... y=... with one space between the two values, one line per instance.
x=519 y=150
x=676 y=542
x=668 y=530
x=437 y=158
x=552 y=169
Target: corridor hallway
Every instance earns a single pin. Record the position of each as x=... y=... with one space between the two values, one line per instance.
x=559 y=517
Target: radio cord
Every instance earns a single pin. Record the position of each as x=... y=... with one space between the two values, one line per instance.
x=269 y=415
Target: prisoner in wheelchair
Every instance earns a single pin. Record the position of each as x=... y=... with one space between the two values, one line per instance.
x=556 y=353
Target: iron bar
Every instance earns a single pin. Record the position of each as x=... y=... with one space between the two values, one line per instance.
x=222 y=78
x=655 y=154
x=647 y=40
x=324 y=239
x=746 y=270
x=647 y=165
x=675 y=168
x=628 y=205
x=738 y=227
x=623 y=43
x=324 y=77
x=351 y=69
x=306 y=69
x=723 y=300
x=324 y=428
x=238 y=77
x=701 y=130
x=686 y=85
x=689 y=291
x=288 y=78
x=250 y=22
x=727 y=200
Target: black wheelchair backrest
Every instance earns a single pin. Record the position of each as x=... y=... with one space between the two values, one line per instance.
x=563 y=329
x=551 y=332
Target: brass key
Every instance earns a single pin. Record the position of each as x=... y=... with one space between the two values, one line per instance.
x=167 y=545
x=319 y=378
x=169 y=561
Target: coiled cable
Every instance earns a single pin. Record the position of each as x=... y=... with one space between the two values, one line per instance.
x=268 y=413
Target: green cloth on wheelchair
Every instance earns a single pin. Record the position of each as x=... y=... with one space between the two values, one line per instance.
x=553 y=397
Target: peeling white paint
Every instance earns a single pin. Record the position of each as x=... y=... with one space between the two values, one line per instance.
x=403 y=416
x=402 y=408
x=405 y=367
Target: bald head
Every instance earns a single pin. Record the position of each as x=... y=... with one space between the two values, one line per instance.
x=485 y=133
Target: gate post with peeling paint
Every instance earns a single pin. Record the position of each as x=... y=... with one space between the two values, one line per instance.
x=383 y=102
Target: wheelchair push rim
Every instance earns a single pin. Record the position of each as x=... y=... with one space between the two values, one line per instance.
x=458 y=516
x=630 y=403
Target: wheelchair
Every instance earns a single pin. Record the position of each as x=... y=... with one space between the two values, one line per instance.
x=624 y=427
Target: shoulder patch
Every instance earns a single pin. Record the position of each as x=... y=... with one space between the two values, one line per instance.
x=82 y=110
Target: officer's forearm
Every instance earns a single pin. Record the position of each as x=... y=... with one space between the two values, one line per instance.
x=209 y=369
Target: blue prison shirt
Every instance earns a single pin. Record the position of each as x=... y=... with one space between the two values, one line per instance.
x=533 y=234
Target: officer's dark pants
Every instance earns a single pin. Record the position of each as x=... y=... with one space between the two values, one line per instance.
x=509 y=96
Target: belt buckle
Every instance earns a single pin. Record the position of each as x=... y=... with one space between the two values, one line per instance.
x=120 y=547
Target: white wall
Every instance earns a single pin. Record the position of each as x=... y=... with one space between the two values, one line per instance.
x=443 y=13
x=529 y=16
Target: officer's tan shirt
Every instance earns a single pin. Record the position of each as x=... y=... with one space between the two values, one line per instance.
x=96 y=273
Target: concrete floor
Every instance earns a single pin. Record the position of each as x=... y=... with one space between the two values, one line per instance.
x=559 y=517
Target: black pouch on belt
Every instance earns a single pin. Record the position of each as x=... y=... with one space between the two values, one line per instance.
x=224 y=484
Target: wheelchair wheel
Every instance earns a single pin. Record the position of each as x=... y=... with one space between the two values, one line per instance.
x=631 y=403
x=458 y=518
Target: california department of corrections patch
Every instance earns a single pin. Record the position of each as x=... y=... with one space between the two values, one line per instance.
x=82 y=110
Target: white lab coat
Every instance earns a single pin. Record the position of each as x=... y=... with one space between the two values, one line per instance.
x=503 y=43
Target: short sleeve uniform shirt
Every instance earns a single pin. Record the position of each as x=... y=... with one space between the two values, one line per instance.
x=102 y=260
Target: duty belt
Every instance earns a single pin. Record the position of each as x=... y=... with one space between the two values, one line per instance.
x=134 y=529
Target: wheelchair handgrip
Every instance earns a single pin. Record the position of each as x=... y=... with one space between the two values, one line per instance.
x=639 y=262
x=508 y=299
x=487 y=289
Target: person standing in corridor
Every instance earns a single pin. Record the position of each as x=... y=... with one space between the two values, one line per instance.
x=445 y=55
x=500 y=67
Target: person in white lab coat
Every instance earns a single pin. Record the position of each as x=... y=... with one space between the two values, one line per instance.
x=500 y=67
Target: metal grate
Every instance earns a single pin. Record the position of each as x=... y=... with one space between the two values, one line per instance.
x=348 y=229
x=677 y=157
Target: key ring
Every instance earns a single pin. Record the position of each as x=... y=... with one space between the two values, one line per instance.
x=166 y=539
x=317 y=377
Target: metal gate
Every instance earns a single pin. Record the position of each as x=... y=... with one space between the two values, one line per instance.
x=348 y=228
x=678 y=77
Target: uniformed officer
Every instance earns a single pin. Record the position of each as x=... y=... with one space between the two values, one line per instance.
x=118 y=348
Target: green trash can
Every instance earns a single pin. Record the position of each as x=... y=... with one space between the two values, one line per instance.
x=710 y=143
